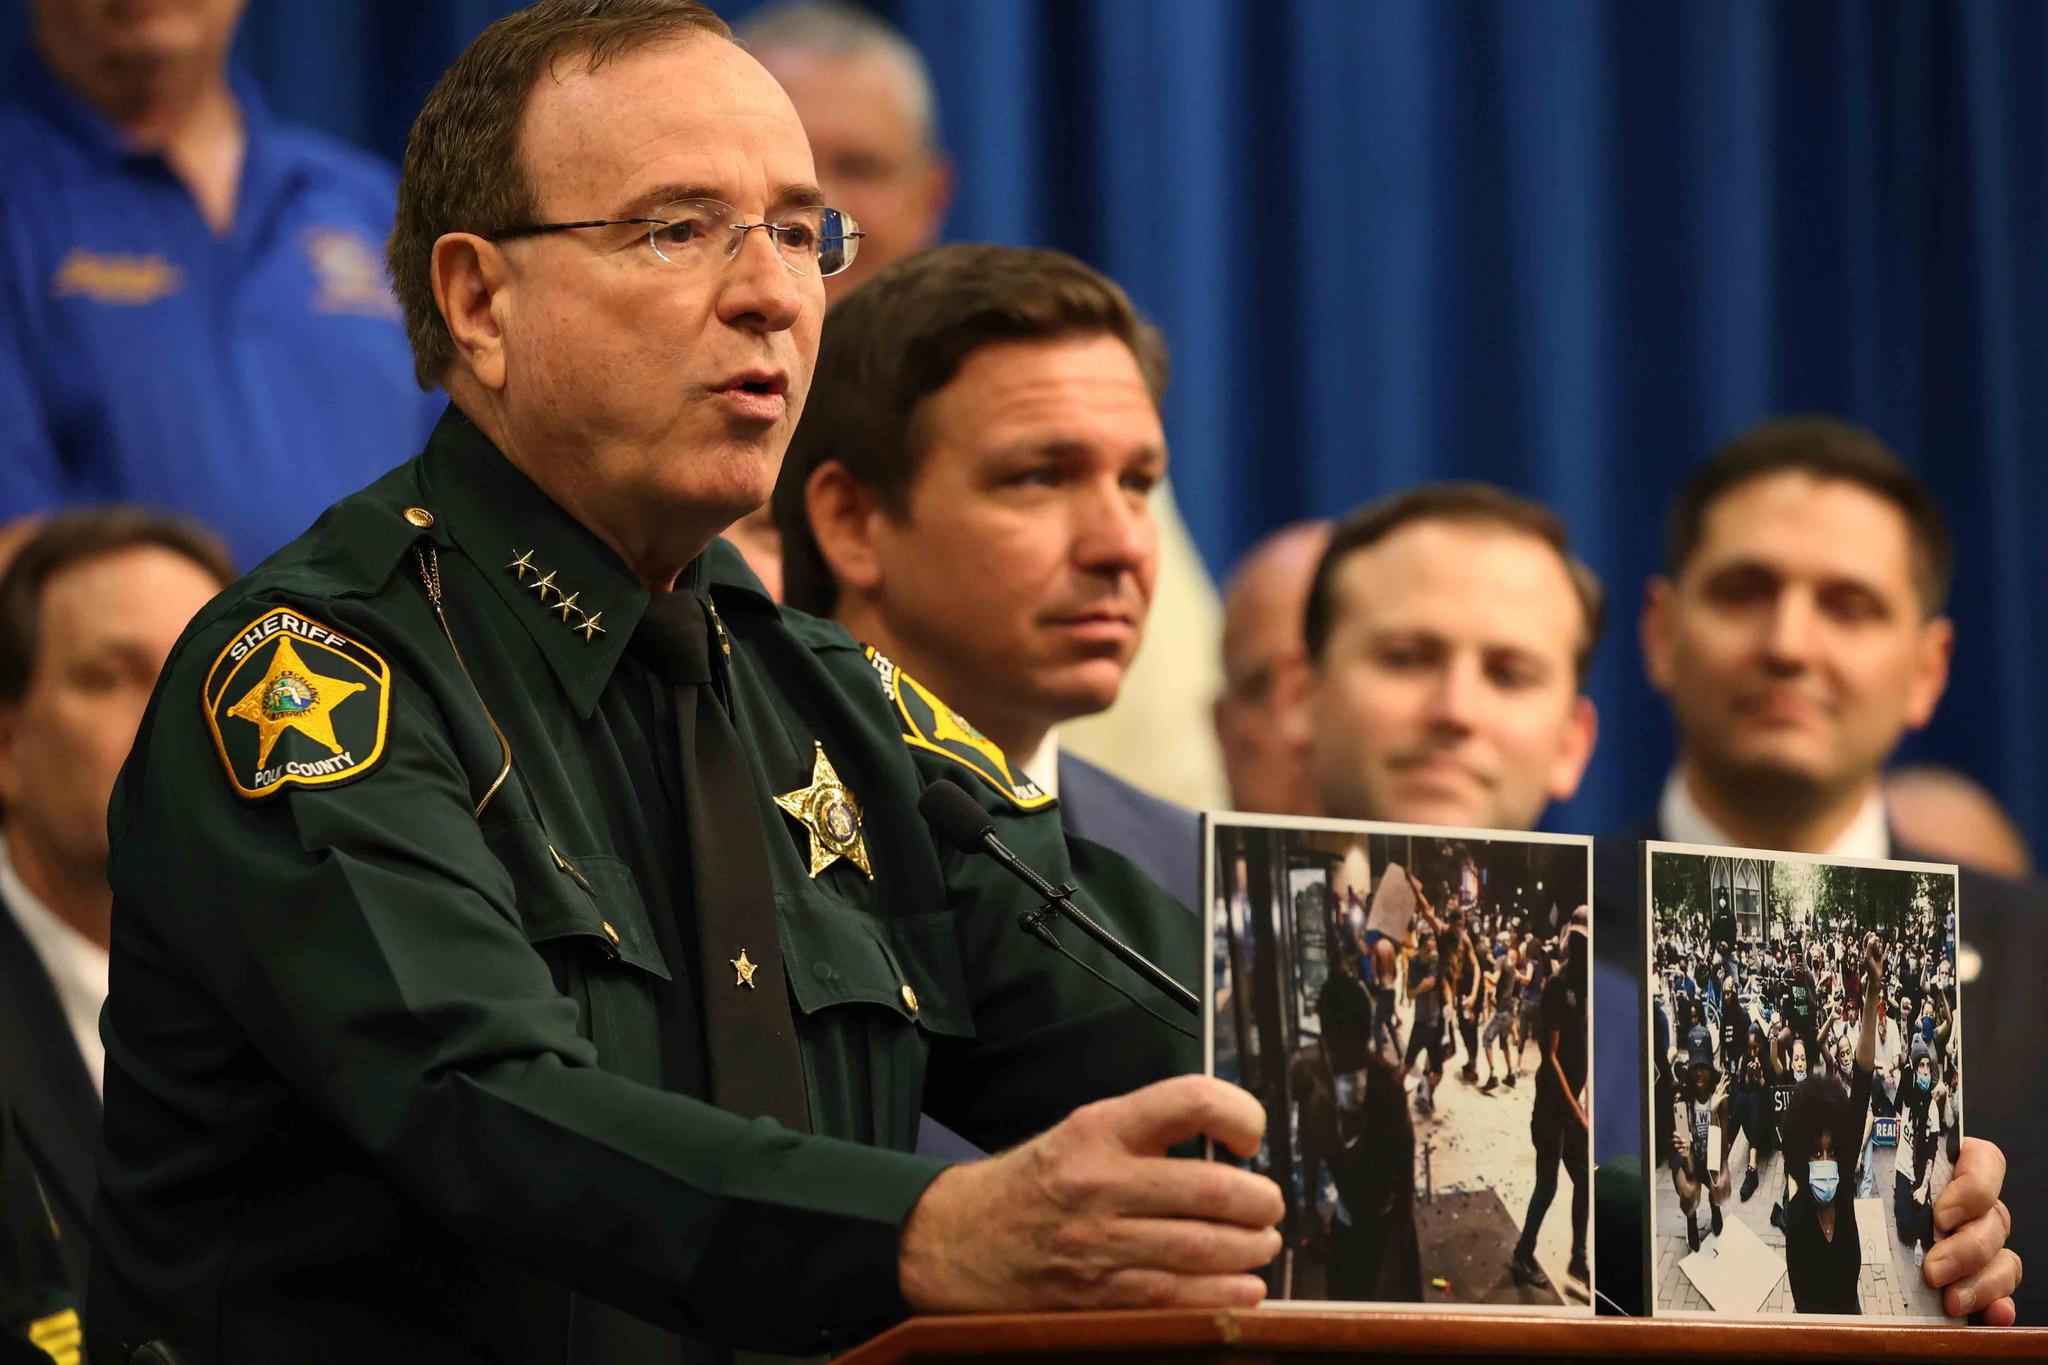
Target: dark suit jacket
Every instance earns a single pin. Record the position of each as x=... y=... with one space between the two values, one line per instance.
x=2004 y=1025
x=1164 y=840
x=45 y=1081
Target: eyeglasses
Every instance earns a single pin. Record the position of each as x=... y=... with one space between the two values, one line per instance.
x=705 y=233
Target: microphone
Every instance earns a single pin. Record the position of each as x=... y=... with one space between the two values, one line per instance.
x=958 y=819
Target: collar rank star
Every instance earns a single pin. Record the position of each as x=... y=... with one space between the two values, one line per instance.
x=589 y=623
x=293 y=702
x=828 y=810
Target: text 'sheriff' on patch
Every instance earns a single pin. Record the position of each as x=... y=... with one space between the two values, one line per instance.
x=293 y=702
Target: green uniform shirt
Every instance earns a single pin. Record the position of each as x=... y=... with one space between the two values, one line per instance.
x=403 y=1059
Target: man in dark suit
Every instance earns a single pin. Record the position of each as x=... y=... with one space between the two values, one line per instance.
x=1798 y=633
x=967 y=494
x=89 y=608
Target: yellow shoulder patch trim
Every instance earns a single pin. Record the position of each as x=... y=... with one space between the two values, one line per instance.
x=931 y=725
x=58 y=1336
x=292 y=702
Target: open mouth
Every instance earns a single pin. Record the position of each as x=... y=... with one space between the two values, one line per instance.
x=758 y=395
x=765 y=383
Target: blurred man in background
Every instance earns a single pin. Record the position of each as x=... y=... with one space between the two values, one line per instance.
x=969 y=493
x=866 y=102
x=89 y=610
x=1799 y=633
x=193 y=309
x=1260 y=724
x=1449 y=631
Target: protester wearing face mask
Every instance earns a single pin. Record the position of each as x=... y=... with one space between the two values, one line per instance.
x=1823 y=1125
x=1793 y=1057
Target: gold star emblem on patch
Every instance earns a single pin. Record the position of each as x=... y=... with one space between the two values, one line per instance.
x=293 y=697
x=951 y=725
x=745 y=969
x=832 y=815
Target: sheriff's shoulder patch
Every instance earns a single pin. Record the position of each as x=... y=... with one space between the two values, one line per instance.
x=934 y=727
x=293 y=702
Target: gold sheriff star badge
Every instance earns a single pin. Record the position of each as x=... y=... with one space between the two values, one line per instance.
x=293 y=697
x=745 y=969
x=828 y=810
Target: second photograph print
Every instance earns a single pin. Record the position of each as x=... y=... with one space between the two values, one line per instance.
x=1411 y=1005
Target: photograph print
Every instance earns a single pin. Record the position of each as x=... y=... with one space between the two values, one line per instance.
x=1805 y=1096
x=1410 y=1005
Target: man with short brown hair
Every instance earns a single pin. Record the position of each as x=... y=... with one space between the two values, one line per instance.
x=970 y=496
x=89 y=609
x=1449 y=631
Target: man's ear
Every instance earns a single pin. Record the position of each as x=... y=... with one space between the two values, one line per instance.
x=844 y=515
x=1582 y=733
x=469 y=276
x=1935 y=647
x=936 y=190
x=1656 y=633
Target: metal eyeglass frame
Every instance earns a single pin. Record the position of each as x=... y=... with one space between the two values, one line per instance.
x=740 y=226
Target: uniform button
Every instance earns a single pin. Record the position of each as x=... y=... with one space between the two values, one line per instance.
x=610 y=932
x=910 y=997
x=419 y=516
x=823 y=971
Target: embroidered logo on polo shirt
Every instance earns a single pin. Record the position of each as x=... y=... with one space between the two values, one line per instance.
x=931 y=725
x=293 y=702
x=103 y=277
x=350 y=272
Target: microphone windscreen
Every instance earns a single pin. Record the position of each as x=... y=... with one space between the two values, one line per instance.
x=954 y=816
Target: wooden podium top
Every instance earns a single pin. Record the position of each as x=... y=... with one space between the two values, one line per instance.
x=1273 y=1333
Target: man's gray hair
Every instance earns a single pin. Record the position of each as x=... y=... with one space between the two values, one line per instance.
x=835 y=28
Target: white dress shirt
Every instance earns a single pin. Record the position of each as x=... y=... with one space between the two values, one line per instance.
x=76 y=966
x=1043 y=767
x=1869 y=835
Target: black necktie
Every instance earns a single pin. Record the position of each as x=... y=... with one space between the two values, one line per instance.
x=750 y=1034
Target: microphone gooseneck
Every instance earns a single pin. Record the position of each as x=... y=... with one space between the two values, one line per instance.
x=958 y=819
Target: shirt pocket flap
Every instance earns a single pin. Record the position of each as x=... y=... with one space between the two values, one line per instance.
x=587 y=896
x=838 y=955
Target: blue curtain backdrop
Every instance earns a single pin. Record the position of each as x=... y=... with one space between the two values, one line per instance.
x=1566 y=245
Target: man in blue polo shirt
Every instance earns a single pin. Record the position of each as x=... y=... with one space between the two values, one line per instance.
x=193 y=306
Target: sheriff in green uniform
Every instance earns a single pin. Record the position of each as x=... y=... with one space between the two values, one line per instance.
x=526 y=943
